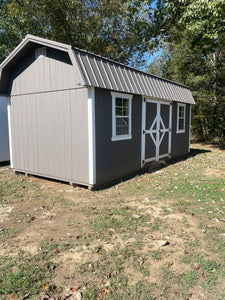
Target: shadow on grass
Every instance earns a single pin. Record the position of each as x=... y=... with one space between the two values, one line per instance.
x=213 y=144
x=161 y=164
x=154 y=167
x=4 y=163
x=150 y=168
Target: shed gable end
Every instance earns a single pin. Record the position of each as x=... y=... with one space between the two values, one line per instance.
x=45 y=73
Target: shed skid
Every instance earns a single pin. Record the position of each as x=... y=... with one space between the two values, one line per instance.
x=77 y=183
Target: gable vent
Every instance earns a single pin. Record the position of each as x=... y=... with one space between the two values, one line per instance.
x=40 y=52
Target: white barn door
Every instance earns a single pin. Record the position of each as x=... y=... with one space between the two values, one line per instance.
x=156 y=130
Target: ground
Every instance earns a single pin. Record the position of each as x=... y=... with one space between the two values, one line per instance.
x=158 y=235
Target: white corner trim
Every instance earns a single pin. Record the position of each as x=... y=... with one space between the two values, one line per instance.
x=10 y=133
x=142 y=131
x=189 y=142
x=170 y=127
x=91 y=136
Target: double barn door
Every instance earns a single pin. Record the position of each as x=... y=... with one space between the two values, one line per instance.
x=156 y=130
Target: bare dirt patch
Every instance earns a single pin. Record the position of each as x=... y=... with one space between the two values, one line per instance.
x=214 y=173
x=138 y=238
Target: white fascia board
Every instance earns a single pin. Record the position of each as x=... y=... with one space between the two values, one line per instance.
x=91 y=136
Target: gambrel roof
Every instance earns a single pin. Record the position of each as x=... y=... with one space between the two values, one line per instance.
x=104 y=73
x=101 y=72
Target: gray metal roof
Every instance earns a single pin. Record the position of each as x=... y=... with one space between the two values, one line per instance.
x=104 y=73
x=101 y=72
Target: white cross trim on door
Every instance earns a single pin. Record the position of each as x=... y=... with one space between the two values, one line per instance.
x=156 y=131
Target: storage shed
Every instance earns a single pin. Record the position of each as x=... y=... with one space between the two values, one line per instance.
x=85 y=119
x=4 y=134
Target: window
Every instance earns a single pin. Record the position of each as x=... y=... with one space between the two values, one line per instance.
x=121 y=116
x=181 y=118
x=40 y=52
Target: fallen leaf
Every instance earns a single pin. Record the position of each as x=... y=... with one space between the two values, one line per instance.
x=99 y=295
x=196 y=266
x=140 y=261
x=45 y=286
x=75 y=288
x=105 y=292
x=98 y=249
x=203 y=275
x=11 y=296
x=188 y=297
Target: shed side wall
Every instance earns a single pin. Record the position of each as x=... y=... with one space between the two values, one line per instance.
x=49 y=134
x=119 y=158
x=4 y=135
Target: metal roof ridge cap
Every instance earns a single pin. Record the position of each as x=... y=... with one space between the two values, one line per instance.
x=35 y=38
x=132 y=68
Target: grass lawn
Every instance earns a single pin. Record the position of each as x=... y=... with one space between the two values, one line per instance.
x=159 y=235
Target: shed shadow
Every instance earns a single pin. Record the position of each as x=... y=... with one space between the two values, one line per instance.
x=4 y=164
x=165 y=163
x=154 y=167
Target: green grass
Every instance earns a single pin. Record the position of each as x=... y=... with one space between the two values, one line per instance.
x=6 y=233
x=121 y=236
x=24 y=274
x=12 y=188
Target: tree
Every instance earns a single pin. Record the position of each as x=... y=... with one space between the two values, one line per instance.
x=117 y=29
x=9 y=35
x=194 y=35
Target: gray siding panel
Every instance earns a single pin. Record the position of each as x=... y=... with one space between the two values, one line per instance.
x=53 y=72
x=50 y=135
x=118 y=158
x=180 y=141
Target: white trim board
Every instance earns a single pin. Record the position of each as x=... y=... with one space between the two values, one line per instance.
x=91 y=136
x=189 y=141
x=10 y=134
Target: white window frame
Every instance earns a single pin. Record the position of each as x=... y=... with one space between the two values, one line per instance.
x=124 y=136
x=178 y=118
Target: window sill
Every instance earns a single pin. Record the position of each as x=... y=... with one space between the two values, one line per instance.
x=180 y=131
x=121 y=137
